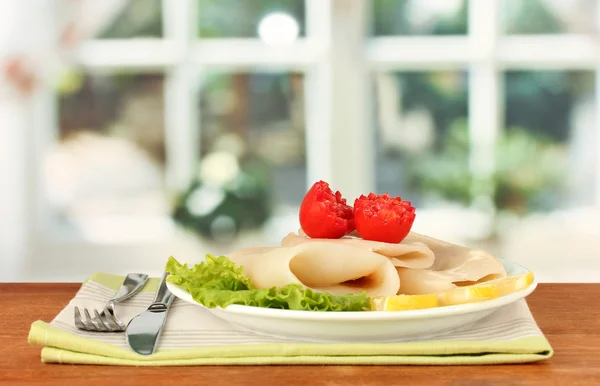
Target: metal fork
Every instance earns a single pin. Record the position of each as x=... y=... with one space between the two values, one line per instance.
x=106 y=320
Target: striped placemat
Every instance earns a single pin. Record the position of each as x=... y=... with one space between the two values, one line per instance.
x=192 y=333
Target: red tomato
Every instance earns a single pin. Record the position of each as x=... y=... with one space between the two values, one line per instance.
x=324 y=214
x=383 y=218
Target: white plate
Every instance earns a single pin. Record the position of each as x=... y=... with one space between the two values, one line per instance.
x=360 y=326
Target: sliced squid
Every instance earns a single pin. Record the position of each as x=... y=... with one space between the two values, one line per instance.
x=409 y=254
x=453 y=266
x=335 y=268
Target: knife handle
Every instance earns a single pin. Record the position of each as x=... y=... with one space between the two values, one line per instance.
x=132 y=284
x=164 y=297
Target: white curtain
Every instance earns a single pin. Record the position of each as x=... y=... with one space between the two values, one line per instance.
x=37 y=37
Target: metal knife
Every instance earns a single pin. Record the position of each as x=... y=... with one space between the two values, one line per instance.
x=143 y=331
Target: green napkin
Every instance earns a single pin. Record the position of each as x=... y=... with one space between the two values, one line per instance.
x=193 y=336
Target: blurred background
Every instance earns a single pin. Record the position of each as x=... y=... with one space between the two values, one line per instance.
x=131 y=130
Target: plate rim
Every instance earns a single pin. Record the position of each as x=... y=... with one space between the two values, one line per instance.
x=424 y=313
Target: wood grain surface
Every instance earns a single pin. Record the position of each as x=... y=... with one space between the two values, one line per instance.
x=569 y=315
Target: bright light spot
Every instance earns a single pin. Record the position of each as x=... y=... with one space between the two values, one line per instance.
x=230 y=143
x=219 y=168
x=278 y=29
x=205 y=200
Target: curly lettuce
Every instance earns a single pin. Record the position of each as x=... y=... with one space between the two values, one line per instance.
x=219 y=282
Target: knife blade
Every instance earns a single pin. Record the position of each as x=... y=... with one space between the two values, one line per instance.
x=144 y=330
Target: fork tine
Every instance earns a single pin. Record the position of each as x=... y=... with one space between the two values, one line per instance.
x=112 y=321
x=89 y=322
x=77 y=318
x=100 y=322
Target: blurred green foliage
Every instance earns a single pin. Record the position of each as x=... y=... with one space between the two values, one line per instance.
x=139 y=18
x=529 y=17
x=391 y=17
x=247 y=203
x=530 y=170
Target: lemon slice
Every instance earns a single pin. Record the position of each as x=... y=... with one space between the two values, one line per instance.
x=469 y=294
x=510 y=284
x=460 y=295
x=486 y=290
x=404 y=302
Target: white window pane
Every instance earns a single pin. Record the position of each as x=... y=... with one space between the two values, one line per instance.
x=139 y=18
x=547 y=157
x=422 y=134
x=242 y=19
x=252 y=172
x=419 y=17
x=549 y=16
x=546 y=180
x=104 y=178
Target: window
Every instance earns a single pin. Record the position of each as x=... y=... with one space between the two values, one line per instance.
x=480 y=110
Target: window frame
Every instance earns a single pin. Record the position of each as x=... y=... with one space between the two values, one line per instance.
x=336 y=57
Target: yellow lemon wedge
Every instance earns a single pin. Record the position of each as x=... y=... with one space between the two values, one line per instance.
x=510 y=284
x=404 y=302
x=486 y=290
x=468 y=294
x=460 y=295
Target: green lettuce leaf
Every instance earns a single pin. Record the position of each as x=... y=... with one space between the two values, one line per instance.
x=219 y=282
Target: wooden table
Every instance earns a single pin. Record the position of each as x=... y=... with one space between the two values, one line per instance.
x=569 y=315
